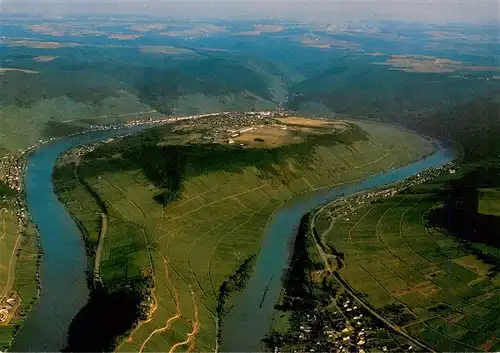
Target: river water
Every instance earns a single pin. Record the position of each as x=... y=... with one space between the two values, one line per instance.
x=249 y=320
x=63 y=278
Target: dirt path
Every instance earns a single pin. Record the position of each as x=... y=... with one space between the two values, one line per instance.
x=374 y=161
x=177 y=315
x=150 y=317
x=11 y=269
x=4 y=229
x=191 y=336
x=217 y=201
x=104 y=223
x=100 y=247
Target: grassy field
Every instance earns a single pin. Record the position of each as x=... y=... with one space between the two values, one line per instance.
x=18 y=261
x=24 y=126
x=196 y=242
x=9 y=237
x=445 y=295
x=489 y=202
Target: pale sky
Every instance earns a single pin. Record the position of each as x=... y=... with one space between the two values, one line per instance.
x=431 y=11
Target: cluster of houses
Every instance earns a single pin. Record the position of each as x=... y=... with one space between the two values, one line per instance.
x=11 y=169
x=8 y=307
x=347 y=206
x=11 y=173
x=226 y=126
x=343 y=327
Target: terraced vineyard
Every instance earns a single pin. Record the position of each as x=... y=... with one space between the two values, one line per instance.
x=417 y=276
x=196 y=242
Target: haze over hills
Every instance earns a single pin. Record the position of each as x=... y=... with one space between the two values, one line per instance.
x=124 y=65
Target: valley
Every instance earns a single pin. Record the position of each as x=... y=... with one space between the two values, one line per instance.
x=213 y=215
x=178 y=184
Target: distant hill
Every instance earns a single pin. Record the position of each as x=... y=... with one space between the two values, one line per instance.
x=356 y=86
x=83 y=69
x=474 y=127
x=77 y=88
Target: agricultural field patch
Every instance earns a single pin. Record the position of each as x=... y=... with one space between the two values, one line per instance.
x=489 y=202
x=433 y=275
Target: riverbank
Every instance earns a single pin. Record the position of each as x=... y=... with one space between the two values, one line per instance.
x=60 y=241
x=393 y=250
x=321 y=314
x=282 y=228
x=321 y=310
x=20 y=248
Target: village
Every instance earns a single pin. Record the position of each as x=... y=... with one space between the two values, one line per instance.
x=341 y=325
x=333 y=321
x=346 y=206
x=222 y=126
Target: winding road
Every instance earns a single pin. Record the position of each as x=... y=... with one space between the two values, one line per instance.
x=343 y=283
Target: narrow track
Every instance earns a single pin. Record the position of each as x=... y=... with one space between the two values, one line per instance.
x=4 y=229
x=178 y=312
x=191 y=336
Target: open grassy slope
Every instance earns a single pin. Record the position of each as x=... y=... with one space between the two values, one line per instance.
x=444 y=283
x=489 y=202
x=18 y=261
x=216 y=221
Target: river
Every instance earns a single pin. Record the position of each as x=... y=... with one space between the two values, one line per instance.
x=64 y=263
x=62 y=270
x=252 y=310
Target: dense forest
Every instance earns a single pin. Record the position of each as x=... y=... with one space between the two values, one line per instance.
x=473 y=127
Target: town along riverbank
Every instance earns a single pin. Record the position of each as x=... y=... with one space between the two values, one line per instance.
x=318 y=310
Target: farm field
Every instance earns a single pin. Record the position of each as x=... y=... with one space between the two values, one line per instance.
x=18 y=259
x=196 y=242
x=444 y=294
x=489 y=202
x=8 y=240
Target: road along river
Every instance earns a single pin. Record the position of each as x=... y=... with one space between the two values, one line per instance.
x=64 y=264
x=250 y=317
x=63 y=277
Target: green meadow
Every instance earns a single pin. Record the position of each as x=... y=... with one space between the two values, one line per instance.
x=489 y=202
x=18 y=263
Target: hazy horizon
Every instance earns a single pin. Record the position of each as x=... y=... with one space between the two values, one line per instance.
x=427 y=11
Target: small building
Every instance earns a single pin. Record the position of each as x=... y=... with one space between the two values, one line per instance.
x=246 y=129
x=11 y=301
